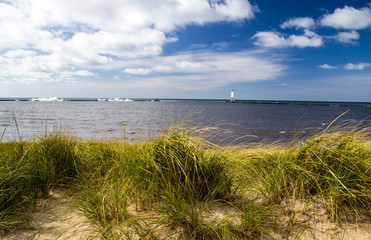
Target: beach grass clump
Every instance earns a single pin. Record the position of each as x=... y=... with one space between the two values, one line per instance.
x=181 y=166
x=256 y=219
x=241 y=219
x=17 y=185
x=335 y=167
x=55 y=159
x=169 y=176
x=102 y=187
x=96 y=159
x=29 y=170
x=105 y=205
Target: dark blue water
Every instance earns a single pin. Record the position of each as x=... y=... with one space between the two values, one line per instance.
x=238 y=123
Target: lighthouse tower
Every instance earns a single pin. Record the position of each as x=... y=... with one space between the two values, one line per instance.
x=232 y=96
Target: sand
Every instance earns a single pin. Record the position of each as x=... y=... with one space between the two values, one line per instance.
x=58 y=217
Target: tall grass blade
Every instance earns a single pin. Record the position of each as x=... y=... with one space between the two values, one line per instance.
x=334 y=121
x=2 y=135
x=16 y=125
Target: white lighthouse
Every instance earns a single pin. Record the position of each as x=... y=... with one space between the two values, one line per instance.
x=232 y=96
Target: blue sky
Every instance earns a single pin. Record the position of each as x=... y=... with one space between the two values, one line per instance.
x=263 y=49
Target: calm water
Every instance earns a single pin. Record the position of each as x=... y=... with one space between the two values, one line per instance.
x=242 y=122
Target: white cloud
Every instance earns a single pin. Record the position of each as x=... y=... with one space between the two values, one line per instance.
x=141 y=71
x=348 y=18
x=234 y=9
x=348 y=66
x=194 y=71
x=309 y=39
x=278 y=40
x=84 y=73
x=15 y=29
x=343 y=18
x=359 y=66
x=347 y=37
x=183 y=75
x=49 y=40
x=302 y=22
x=190 y=65
x=176 y=64
x=19 y=53
x=326 y=66
x=270 y=39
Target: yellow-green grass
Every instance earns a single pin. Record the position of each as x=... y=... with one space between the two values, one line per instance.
x=179 y=186
x=335 y=167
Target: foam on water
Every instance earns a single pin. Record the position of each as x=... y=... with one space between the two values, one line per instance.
x=51 y=99
x=114 y=100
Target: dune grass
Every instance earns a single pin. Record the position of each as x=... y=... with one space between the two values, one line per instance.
x=180 y=187
x=335 y=167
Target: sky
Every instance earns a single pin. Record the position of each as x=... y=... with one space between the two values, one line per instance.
x=263 y=49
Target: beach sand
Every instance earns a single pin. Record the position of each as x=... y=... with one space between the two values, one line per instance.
x=57 y=217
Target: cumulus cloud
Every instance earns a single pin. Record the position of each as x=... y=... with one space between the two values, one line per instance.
x=348 y=18
x=347 y=37
x=358 y=66
x=279 y=40
x=326 y=66
x=233 y=9
x=270 y=39
x=46 y=40
x=298 y=23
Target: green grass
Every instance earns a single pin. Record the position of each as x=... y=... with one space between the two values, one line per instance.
x=335 y=167
x=179 y=186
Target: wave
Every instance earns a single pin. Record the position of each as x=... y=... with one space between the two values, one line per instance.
x=114 y=100
x=52 y=99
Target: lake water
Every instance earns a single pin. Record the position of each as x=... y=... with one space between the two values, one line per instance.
x=238 y=123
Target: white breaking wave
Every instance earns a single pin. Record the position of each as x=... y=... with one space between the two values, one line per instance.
x=52 y=99
x=114 y=100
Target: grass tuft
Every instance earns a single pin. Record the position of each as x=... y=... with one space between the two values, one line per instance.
x=335 y=167
x=179 y=164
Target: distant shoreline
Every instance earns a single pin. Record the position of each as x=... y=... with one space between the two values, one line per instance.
x=282 y=102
